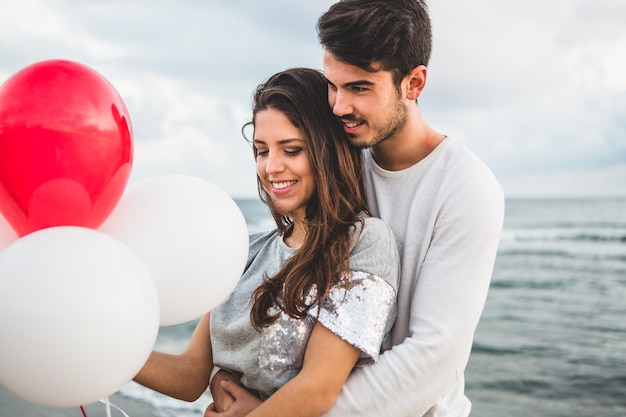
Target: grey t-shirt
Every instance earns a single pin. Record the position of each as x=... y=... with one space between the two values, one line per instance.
x=362 y=312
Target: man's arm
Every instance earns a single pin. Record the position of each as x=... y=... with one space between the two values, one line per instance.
x=243 y=402
x=223 y=398
x=447 y=302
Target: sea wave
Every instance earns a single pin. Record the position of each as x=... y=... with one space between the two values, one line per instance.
x=565 y=234
x=555 y=253
x=166 y=406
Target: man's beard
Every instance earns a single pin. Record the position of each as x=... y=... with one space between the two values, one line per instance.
x=393 y=126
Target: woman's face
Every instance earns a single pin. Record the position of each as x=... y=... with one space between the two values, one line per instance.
x=282 y=163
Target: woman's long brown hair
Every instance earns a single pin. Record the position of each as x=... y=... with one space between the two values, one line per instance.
x=339 y=199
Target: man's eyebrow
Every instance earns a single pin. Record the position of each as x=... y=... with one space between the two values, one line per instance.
x=356 y=83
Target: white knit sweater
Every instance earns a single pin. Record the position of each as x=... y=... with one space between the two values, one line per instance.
x=446 y=212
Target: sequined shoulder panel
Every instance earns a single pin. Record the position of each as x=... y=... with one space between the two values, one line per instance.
x=360 y=310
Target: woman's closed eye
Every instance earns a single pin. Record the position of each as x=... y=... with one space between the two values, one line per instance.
x=293 y=151
x=261 y=151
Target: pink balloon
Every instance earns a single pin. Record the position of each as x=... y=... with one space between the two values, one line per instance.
x=65 y=147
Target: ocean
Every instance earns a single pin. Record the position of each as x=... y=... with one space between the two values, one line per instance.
x=552 y=338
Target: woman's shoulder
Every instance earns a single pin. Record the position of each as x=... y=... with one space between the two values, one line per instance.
x=374 y=234
x=261 y=237
x=374 y=228
x=374 y=222
x=375 y=252
x=259 y=240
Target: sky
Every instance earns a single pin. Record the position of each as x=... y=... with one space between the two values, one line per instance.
x=536 y=89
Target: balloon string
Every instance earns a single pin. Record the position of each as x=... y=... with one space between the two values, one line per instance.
x=109 y=404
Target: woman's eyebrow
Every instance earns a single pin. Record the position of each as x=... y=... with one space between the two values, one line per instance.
x=282 y=141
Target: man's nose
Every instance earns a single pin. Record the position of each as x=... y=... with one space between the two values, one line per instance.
x=340 y=103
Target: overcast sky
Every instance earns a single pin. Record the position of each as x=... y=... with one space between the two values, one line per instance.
x=537 y=89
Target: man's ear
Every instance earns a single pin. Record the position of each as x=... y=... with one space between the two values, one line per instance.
x=416 y=82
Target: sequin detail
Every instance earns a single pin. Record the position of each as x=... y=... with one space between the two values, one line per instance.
x=360 y=310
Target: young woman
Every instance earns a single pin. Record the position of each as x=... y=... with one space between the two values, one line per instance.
x=317 y=296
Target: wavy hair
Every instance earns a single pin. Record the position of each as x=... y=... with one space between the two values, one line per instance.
x=337 y=204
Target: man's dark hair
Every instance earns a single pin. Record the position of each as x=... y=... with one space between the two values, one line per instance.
x=394 y=33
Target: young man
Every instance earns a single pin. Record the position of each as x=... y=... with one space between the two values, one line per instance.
x=443 y=204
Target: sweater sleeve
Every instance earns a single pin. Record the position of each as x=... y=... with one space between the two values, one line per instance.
x=447 y=297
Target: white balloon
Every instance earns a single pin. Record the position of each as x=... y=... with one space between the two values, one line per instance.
x=79 y=316
x=7 y=233
x=192 y=237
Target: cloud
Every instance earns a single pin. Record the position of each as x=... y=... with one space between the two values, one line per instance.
x=536 y=89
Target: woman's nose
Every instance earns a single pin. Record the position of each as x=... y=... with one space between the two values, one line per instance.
x=273 y=163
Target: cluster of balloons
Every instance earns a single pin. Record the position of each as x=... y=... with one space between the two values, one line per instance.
x=90 y=268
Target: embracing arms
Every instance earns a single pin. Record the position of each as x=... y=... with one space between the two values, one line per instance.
x=327 y=363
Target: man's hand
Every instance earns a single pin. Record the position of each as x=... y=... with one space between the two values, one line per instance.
x=241 y=403
x=221 y=398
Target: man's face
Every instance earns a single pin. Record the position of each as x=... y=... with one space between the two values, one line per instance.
x=368 y=103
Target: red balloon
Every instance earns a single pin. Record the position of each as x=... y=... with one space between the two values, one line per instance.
x=66 y=147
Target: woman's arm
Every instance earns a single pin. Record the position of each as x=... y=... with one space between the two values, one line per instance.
x=328 y=361
x=184 y=376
